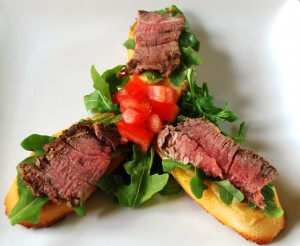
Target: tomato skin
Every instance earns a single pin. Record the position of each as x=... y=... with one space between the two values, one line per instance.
x=115 y=97
x=161 y=93
x=134 y=116
x=154 y=123
x=166 y=111
x=136 y=86
x=136 y=134
x=135 y=101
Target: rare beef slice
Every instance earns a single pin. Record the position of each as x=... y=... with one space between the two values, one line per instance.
x=200 y=142
x=73 y=162
x=156 y=43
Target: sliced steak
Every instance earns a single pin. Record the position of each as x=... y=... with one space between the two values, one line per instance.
x=178 y=146
x=200 y=142
x=211 y=140
x=156 y=43
x=250 y=173
x=73 y=163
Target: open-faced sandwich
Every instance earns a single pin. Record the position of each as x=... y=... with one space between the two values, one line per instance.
x=152 y=119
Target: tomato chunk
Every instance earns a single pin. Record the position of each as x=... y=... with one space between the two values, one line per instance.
x=118 y=95
x=162 y=93
x=134 y=116
x=136 y=134
x=166 y=111
x=136 y=86
x=154 y=123
x=135 y=101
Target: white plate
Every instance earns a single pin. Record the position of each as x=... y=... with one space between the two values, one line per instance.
x=251 y=55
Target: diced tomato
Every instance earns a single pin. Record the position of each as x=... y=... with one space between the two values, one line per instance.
x=162 y=93
x=135 y=101
x=136 y=134
x=166 y=111
x=118 y=94
x=134 y=116
x=154 y=123
x=136 y=86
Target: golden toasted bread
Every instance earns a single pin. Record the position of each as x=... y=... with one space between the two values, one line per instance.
x=251 y=223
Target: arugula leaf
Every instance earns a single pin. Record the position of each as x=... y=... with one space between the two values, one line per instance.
x=173 y=10
x=99 y=83
x=106 y=184
x=187 y=39
x=178 y=75
x=31 y=159
x=35 y=143
x=107 y=118
x=110 y=76
x=142 y=185
x=197 y=102
x=91 y=101
x=197 y=183
x=240 y=137
x=251 y=204
x=153 y=76
x=271 y=210
x=169 y=164
x=80 y=210
x=171 y=188
x=100 y=100
x=189 y=58
x=129 y=44
x=228 y=192
x=28 y=205
x=268 y=192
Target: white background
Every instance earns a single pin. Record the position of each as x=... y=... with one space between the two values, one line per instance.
x=251 y=59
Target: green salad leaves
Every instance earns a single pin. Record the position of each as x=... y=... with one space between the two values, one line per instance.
x=188 y=45
x=100 y=101
x=197 y=183
x=227 y=192
x=129 y=44
x=197 y=102
x=28 y=205
x=35 y=143
x=141 y=184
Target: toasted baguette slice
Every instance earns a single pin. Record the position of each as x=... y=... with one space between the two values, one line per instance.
x=252 y=224
x=53 y=212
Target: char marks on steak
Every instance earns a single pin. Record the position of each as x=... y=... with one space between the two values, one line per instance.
x=156 y=43
x=73 y=162
x=200 y=142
